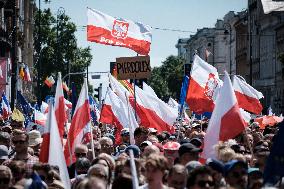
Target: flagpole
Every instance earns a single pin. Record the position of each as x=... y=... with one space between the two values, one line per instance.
x=135 y=184
x=129 y=122
x=134 y=81
x=92 y=141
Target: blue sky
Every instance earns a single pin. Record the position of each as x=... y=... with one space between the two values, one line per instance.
x=188 y=15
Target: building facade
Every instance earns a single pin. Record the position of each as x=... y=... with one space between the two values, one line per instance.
x=250 y=44
x=16 y=45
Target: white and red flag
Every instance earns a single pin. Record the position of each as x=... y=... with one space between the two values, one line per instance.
x=203 y=86
x=59 y=106
x=247 y=96
x=49 y=81
x=160 y=117
x=51 y=152
x=79 y=121
x=149 y=89
x=108 y=30
x=115 y=112
x=40 y=118
x=68 y=104
x=226 y=121
x=44 y=107
x=152 y=109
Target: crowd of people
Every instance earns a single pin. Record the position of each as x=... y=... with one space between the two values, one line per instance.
x=162 y=160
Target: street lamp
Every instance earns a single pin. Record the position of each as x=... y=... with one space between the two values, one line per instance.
x=226 y=32
x=59 y=16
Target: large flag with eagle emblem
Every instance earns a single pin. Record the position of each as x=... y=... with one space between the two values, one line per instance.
x=108 y=30
x=203 y=86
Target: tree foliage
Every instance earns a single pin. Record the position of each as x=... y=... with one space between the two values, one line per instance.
x=166 y=80
x=57 y=50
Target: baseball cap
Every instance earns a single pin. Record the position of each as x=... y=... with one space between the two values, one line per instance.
x=146 y=143
x=231 y=164
x=4 y=152
x=171 y=145
x=192 y=165
x=152 y=130
x=188 y=147
x=184 y=141
x=196 y=142
x=124 y=132
x=215 y=165
x=135 y=149
x=110 y=136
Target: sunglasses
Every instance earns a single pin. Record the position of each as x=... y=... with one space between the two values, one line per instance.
x=203 y=183
x=19 y=141
x=97 y=149
x=81 y=154
x=238 y=175
x=4 y=180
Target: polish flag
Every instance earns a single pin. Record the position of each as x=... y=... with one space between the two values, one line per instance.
x=115 y=112
x=247 y=96
x=118 y=89
x=40 y=118
x=49 y=81
x=203 y=86
x=159 y=120
x=59 y=106
x=79 y=121
x=108 y=30
x=174 y=104
x=44 y=107
x=51 y=152
x=65 y=87
x=149 y=89
x=68 y=104
x=155 y=112
x=226 y=121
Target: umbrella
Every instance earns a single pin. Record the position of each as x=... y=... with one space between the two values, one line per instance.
x=268 y=120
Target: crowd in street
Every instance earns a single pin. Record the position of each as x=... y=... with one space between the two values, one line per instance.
x=162 y=160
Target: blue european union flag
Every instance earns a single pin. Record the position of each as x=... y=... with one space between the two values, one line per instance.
x=274 y=168
x=26 y=107
x=183 y=92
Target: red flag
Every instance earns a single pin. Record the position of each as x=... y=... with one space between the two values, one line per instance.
x=79 y=121
x=49 y=81
x=108 y=30
x=248 y=97
x=115 y=112
x=59 y=106
x=40 y=118
x=226 y=121
x=51 y=149
x=203 y=86
x=155 y=112
x=152 y=112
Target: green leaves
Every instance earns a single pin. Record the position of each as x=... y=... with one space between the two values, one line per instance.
x=59 y=51
x=166 y=80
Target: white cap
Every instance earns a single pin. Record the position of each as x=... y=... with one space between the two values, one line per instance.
x=152 y=130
